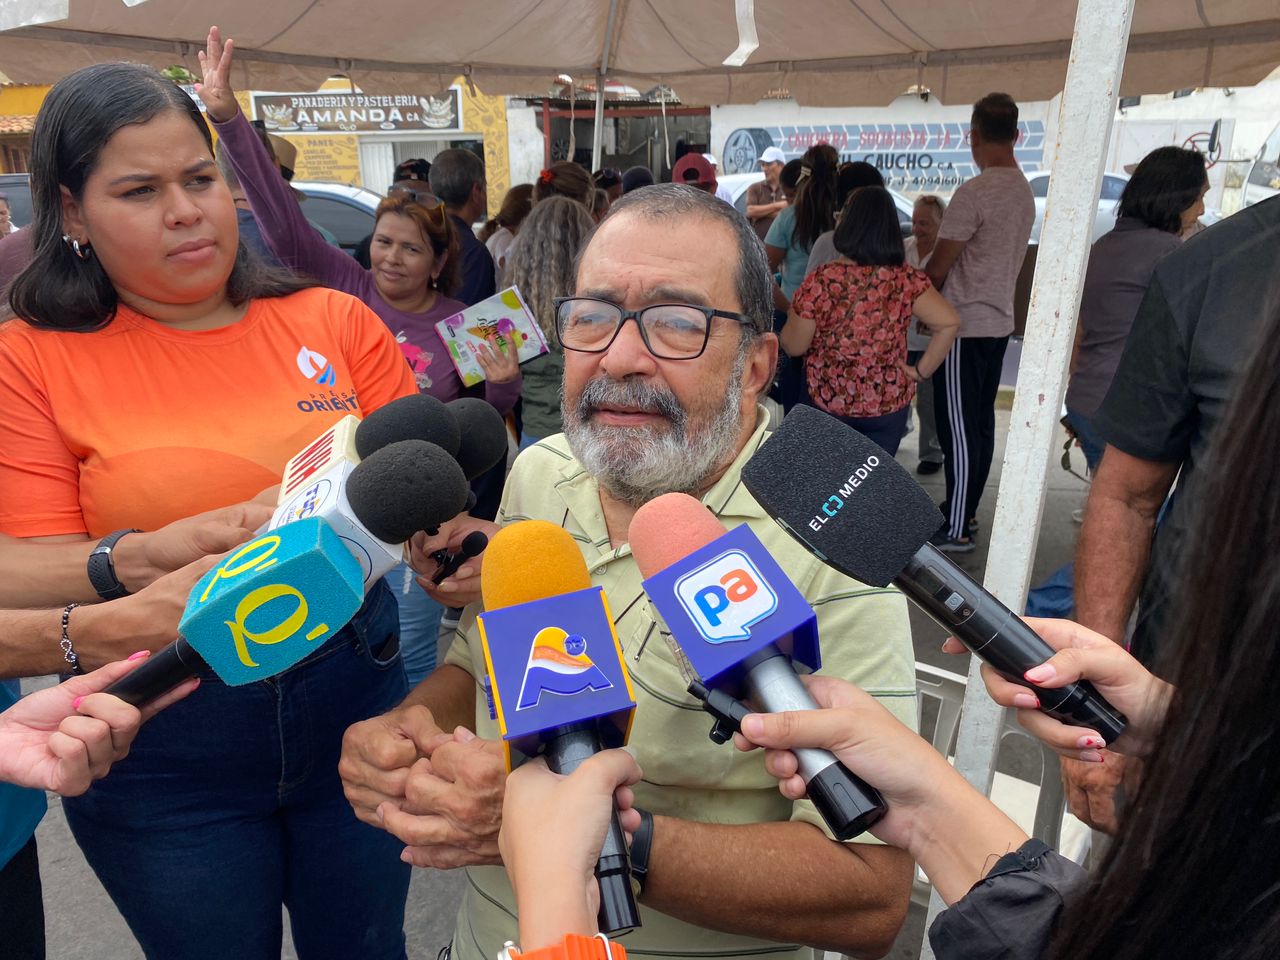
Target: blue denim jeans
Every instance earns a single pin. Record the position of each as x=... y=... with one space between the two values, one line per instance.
x=886 y=429
x=419 y=624
x=229 y=805
x=1091 y=441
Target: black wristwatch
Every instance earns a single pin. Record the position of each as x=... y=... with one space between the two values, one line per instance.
x=102 y=567
x=641 y=843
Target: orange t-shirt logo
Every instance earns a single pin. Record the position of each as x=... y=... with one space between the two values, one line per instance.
x=316 y=366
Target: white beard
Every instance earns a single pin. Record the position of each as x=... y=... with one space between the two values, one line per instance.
x=636 y=464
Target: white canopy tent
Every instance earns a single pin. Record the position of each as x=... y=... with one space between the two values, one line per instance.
x=824 y=52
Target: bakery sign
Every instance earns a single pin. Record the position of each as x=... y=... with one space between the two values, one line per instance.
x=358 y=112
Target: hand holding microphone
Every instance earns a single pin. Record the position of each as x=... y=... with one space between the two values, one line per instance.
x=63 y=738
x=1083 y=654
x=559 y=685
x=278 y=598
x=472 y=545
x=933 y=813
x=740 y=623
x=858 y=510
x=553 y=871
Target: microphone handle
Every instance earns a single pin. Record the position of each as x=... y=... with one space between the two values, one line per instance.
x=848 y=804
x=161 y=672
x=567 y=749
x=993 y=632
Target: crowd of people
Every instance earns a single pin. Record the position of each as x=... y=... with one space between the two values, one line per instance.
x=180 y=330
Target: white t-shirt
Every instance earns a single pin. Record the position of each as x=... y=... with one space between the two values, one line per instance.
x=917 y=334
x=992 y=214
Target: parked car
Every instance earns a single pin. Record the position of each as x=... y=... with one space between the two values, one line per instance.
x=738 y=183
x=345 y=211
x=1108 y=202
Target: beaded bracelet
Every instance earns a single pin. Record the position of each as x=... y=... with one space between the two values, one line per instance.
x=68 y=652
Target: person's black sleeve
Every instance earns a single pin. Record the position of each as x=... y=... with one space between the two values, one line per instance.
x=1150 y=410
x=361 y=252
x=478 y=281
x=1010 y=914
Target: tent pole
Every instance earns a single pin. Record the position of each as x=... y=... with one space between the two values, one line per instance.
x=1084 y=125
x=597 y=137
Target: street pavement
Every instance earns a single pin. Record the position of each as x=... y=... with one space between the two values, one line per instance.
x=83 y=924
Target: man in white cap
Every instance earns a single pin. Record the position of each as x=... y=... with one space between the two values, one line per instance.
x=765 y=199
x=722 y=192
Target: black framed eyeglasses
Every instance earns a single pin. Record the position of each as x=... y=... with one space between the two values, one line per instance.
x=670 y=331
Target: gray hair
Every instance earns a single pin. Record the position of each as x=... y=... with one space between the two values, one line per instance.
x=935 y=201
x=453 y=174
x=670 y=201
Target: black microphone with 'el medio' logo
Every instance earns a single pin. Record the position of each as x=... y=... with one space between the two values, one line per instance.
x=858 y=510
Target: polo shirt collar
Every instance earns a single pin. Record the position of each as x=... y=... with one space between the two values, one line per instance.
x=728 y=499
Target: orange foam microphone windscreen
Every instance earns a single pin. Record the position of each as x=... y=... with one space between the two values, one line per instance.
x=530 y=560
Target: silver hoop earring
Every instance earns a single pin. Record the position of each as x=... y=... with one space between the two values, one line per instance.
x=80 y=250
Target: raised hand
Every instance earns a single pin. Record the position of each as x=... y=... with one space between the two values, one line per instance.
x=215 y=87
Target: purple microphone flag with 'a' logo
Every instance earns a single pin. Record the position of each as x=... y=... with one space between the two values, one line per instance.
x=552 y=663
x=729 y=600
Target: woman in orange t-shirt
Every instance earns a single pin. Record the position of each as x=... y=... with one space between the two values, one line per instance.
x=849 y=319
x=157 y=369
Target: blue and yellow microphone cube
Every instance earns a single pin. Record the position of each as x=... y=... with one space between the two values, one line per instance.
x=553 y=663
x=273 y=601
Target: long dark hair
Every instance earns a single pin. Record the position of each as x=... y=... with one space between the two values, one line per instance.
x=868 y=231
x=81 y=113
x=1193 y=871
x=816 y=196
x=1164 y=184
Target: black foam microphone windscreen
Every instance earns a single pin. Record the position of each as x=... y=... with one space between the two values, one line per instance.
x=405 y=487
x=483 y=432
x=857 y=509
x=415 y=417
x=473 y=544
x=851 y=503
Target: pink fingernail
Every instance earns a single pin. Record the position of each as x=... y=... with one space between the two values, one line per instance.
x=75 y=704
x=140 y=655
x=1095 y=742
x=1026 y=701
x=1091 y=756
x=1041 y=673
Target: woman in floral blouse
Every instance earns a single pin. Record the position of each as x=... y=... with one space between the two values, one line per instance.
x=849 y=319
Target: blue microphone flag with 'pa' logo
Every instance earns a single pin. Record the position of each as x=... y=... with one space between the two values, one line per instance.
x=273 y=601
x=554 y=662
x=728 y=600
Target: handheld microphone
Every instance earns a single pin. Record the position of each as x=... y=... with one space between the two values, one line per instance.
x=556 y=674
x=336 y=445
x=858 y=510
x=376 y=505
x=472 y=545
x=484 y=435
x=258 y=612
x=741 y=622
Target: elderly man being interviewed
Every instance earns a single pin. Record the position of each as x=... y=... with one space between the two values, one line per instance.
x=734 y=869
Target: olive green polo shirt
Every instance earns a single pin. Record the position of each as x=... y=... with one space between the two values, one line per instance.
x=866 y=639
